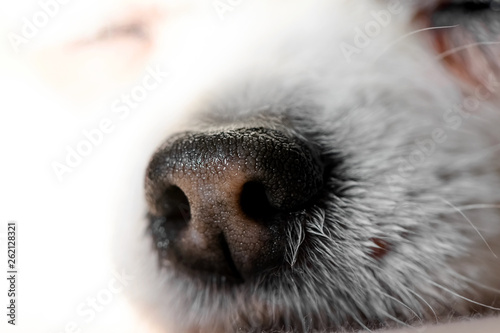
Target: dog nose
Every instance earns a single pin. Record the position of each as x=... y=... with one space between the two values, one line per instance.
x=219 y=202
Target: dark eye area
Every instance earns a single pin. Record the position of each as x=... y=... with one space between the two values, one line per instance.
x=467 y=37
x=470 y=6
x=465 y=12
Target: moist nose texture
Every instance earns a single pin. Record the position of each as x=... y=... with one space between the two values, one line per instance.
x=219 y=202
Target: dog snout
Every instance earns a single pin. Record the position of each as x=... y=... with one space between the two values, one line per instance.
x=219 y=201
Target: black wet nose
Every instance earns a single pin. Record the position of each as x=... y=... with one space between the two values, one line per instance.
x=219 y=201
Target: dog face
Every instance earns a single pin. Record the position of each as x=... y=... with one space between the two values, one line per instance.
x=330 y=177
x=333 y=167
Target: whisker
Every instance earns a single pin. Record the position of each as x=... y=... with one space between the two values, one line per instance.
x=462 y=297
x=423 y=300
x=467 y=279
x=400 y=302
x=478 y=206
x=402 y=323
x=463 y=47
x=397 y=40
x=472 y=224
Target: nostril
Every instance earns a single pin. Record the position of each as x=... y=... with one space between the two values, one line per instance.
x=254 y=202
x=174 y=206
